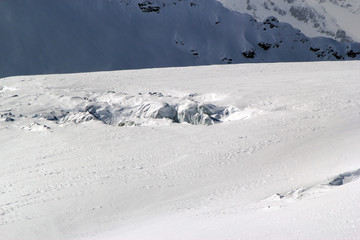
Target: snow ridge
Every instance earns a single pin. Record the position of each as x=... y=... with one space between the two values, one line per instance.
x=147 y=109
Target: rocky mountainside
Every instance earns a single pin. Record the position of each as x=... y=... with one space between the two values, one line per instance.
x=51 y=36
x=337 y=19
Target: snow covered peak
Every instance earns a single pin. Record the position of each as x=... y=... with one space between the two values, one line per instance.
x=51 y=36
x=330 y=18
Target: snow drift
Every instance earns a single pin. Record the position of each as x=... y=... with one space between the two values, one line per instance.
x=123 y=109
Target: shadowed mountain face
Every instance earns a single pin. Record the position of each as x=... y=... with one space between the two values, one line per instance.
x=51 y=36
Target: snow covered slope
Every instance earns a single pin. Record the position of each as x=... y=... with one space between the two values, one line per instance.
x=251 y=151
x=338 y=19
x=52 y=36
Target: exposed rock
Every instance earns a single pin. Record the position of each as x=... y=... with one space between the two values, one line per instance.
x=249 y=54
x=265 y=46
x=146 y=6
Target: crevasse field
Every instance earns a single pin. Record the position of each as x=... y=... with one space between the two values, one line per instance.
x=251 y=151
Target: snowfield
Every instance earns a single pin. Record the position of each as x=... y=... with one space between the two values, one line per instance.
x=251 y=151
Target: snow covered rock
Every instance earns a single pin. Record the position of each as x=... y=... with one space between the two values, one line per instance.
x=36 y=127
x=330 y=18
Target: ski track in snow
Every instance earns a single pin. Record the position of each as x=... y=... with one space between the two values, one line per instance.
x=282 y=164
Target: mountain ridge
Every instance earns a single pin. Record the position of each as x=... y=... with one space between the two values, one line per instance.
x=328 y=18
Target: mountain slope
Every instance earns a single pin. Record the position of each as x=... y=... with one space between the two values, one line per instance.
x=51 y=36
x=330 y=18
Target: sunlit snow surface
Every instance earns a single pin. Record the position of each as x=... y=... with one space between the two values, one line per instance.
x=252 y=151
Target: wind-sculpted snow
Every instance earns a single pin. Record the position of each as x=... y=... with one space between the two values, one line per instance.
x=280 y=200
x=52 y=36
x=345 y=178
x=122 y=109
x=128 y=110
